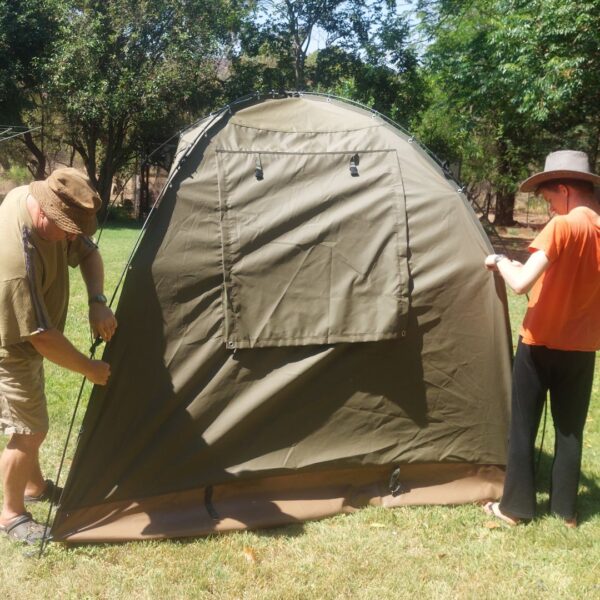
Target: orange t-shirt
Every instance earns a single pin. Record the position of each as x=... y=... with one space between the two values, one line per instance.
x=564 y=305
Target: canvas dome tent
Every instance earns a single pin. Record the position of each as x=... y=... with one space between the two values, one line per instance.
x=306 y=327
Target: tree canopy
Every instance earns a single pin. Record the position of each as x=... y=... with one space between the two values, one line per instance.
x=122 y=69
x=515 y=78
x=490 y=84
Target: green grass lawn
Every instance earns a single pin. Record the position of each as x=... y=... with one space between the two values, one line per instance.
x=416 y=552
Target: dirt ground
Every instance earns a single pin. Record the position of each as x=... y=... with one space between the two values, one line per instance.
x=530 y=216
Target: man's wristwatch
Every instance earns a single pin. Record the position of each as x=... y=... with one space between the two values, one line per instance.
x=499 y=257
x=99 y=298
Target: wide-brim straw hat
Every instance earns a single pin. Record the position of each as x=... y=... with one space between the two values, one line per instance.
x=563 y=164
x=67 y=198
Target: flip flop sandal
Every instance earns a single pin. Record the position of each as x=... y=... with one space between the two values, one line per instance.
x=24 y=529
x=493 y=509
x=52 y=492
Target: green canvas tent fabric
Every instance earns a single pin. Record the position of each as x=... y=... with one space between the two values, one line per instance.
x=306 y=328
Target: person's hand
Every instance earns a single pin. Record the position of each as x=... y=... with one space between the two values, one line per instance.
x=98 y=372
x=102 y=321
x=490 y=262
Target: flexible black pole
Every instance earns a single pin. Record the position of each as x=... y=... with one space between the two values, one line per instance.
x=46 y=536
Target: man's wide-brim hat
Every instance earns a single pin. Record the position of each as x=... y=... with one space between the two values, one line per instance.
x=67 y=198
x=563 y=164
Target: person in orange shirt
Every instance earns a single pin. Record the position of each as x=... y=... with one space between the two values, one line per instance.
x=558 y=338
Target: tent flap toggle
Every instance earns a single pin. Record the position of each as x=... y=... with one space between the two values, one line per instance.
x=354 y=165
x=258 y=170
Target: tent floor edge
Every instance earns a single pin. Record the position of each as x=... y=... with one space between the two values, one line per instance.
x=277 y=500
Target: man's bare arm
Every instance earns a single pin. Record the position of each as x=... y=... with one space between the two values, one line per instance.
x=54 y=346
x=102 y=319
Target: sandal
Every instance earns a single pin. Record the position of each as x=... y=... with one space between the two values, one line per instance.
x=51 y=492
x=493 y=509
x=24 y=529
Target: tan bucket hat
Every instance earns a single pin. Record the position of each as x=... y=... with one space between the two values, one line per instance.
x=563 y=164
x=67 y=198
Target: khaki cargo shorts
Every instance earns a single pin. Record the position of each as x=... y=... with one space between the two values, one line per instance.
x=22 y=399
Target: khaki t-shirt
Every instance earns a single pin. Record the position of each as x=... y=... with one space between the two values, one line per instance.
x=34 y=279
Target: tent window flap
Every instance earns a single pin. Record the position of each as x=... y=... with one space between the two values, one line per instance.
x=312 y=253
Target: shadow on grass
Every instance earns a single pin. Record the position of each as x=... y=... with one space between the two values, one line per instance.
x=588 y=498
x=291 y=530
x=283 y=531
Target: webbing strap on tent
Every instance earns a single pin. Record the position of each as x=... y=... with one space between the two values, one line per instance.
x=210 y=508
x=395 y=485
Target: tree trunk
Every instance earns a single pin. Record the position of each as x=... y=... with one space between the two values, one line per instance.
x=144 y=191
x=40 y=161
x=593 y=151
x=505 y=206
x=299 y=68
x=104 y=191
x=505 y=195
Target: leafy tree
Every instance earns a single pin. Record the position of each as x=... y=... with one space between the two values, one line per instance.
x=512 y=77
x=28 y=29
x=283 y=30
x=123 y=68
x=367 y=54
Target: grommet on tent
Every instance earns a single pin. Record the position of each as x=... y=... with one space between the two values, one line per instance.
x=258 y=170
x=354 y=160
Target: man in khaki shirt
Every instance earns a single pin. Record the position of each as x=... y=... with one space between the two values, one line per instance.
x=43 y=230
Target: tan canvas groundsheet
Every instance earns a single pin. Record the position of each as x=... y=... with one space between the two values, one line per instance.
x=307 y=311
x=269 y=502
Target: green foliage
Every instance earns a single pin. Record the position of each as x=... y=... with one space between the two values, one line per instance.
x=27 y=29
x=367 y=55
x=19 y=175
x=516 y=76
x=495 y=84
x=122 y=68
